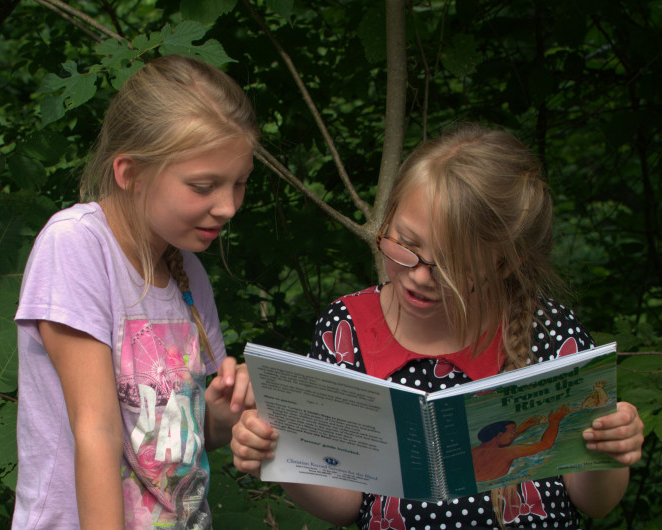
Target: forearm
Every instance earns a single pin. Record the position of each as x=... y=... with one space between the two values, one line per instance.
x=337 y=506
x=596 y=493
x=98 y=481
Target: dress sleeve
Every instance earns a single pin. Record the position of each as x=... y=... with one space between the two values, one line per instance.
x=558 y=332
x=335 y=340
x=66 y=281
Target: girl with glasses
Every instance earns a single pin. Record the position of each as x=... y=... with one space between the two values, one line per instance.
x=117 y=325
x=467 y=241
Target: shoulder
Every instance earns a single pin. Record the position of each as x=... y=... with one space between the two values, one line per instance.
x=342 y=307
x=557 y=331
x=364 y=293
x=74 y=226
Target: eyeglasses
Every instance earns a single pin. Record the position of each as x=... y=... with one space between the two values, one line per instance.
x=404 y=255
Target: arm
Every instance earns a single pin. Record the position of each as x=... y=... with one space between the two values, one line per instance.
x=548 y=437
x=226 y=396
x=253 y=440
x=620 y=435
x=531 y=422
x=85 y=368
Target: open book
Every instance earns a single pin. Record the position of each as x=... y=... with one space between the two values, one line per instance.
x=345 y=429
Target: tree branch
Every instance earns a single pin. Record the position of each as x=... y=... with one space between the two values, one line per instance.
x=396 y=94
x=61 y=8
x=69 y=19
x=277 y=167
x=356 y=199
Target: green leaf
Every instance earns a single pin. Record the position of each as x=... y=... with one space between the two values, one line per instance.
x=11 y=238
x=9 y=291
x=71 y=91
x=281 y=7
x=9 y=452
x=8 y=455
x=116 y=54
x=372 y=32
x=463 y=56
x=180 y=40
x=206 y=11
x=45 y=146
x=28 y=173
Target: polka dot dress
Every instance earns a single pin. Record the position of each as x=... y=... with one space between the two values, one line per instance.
x=537 y=504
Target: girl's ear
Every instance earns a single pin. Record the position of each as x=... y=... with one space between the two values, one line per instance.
x=124 y=170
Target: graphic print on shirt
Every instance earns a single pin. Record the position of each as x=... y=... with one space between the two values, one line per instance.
x=569 y=347
x=388 y=516
x=160 y=380
x=340 y=344
x=530 y=503
x=442 y=368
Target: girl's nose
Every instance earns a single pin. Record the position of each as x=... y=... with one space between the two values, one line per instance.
x=421 y=273
x=225 y=204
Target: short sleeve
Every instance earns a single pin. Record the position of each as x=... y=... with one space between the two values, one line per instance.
x=66 y=281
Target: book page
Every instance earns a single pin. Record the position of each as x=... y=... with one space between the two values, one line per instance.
x=333 y=430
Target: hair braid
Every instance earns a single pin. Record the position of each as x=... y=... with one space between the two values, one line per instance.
x=518 y=320
x=175 y=262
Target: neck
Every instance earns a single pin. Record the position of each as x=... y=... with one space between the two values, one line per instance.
x=160 y=275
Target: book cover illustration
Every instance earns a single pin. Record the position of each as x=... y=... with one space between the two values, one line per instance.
x=532 y=429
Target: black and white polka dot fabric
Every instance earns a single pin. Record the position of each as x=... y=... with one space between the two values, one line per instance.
x=538 y=504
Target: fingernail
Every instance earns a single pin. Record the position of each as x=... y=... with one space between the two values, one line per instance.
x=591 y=447
x=587 y=435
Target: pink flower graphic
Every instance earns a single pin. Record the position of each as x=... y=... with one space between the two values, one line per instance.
x=136 y=516
x=341 y=344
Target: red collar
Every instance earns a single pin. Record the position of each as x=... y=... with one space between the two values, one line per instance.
x=383 y=355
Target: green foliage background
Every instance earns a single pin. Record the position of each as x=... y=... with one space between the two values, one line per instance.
x=577 y=81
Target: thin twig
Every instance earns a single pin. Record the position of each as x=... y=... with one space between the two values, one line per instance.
x=277 y=167
x=356 y=199
x=82 y=16
x=426 y=67
x=70 y=19
x=113 y=16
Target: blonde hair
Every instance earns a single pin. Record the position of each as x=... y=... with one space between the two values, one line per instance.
x=491 y=230
x=173 y=107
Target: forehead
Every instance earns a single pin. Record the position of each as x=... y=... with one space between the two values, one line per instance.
x=414 y=204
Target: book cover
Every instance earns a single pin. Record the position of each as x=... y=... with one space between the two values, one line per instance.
x=342 y=428
x=527 y=429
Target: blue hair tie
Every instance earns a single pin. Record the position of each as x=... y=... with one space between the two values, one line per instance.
x=188 y=297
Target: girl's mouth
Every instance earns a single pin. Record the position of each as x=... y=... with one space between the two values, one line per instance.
x=418 y=300
x=208 y=233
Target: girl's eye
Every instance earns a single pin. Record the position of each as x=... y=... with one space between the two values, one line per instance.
x=406 y=241
x=201 y=188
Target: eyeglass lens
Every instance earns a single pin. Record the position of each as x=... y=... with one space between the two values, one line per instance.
x=398 y=253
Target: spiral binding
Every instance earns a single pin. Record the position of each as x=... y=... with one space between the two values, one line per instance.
x=435 y=458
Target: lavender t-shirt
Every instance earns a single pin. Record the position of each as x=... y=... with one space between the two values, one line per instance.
x=78 y=275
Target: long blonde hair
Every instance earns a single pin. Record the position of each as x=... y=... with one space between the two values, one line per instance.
x=172 y=107
x=491 y=230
